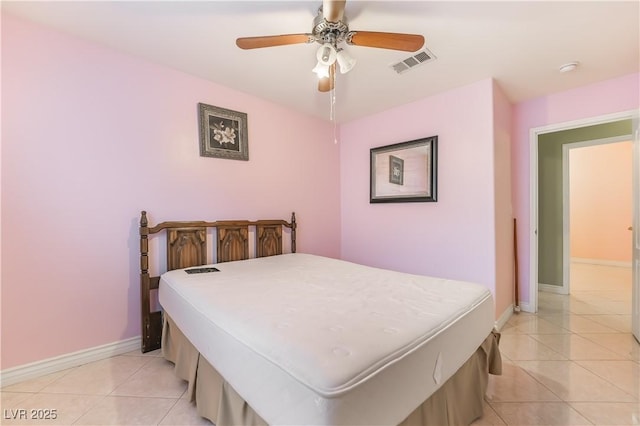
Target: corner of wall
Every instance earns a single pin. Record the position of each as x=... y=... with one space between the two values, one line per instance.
x=503 y=214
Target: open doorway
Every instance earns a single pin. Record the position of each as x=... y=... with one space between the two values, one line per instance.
x=547 y=246
x=600 y=202
x=553 y=199
x=597 y=237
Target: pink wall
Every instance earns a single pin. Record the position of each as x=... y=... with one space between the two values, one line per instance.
x=601 y=207
x=611 y=96
x=90 y=137
x=452 y=238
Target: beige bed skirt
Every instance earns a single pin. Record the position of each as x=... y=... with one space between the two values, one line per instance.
x=458 y=402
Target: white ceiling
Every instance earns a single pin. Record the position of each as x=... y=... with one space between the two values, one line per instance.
x=520 y=44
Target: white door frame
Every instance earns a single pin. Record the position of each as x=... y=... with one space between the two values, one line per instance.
x=532 y=306
x=635 y=235
x=566 y=207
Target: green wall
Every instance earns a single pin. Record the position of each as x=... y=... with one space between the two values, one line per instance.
x=550 y=192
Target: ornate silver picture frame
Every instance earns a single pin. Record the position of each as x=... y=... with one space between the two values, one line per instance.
x=223 y=133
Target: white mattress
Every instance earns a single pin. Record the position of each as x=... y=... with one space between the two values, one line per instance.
x=311 y=340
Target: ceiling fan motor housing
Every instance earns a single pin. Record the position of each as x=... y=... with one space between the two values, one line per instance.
x=329 y=32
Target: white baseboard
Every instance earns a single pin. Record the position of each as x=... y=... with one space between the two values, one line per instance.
x=502 y=320
x=526 y=307
x=603 y=262
x=51 y=365
x=550 y=288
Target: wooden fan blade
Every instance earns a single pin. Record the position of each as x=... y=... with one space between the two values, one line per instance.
x=333 y=10
x=270 y=41
x=326 y=84
x=394 y=41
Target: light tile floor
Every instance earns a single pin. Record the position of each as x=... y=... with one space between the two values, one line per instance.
x=573 y=363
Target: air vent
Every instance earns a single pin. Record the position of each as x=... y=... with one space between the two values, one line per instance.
x=419 y=58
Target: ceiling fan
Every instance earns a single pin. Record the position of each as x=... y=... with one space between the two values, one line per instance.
x=329 y=30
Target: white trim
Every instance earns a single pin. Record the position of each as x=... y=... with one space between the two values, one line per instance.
x=534 y=132
x=526 y=307
x=603 y=262
x=533 y=223
x=40 y=368
x=566 y=219
x=502 y=320
x=635 y=256
x=585 y=122
x=603 y=141
x=550 y=288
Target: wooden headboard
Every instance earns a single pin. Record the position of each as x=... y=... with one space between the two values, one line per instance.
x=187 y=246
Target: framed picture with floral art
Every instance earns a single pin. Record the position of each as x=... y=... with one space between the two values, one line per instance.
x=223 y=133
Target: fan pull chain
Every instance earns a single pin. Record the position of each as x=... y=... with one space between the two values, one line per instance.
x=333 y=109
x=333 y=115
x=332 y=105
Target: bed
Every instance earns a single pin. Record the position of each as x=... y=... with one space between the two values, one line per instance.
x=265 y=336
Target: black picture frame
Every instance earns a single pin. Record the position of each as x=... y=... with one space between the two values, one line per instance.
x=223 y=133
x=404 y=172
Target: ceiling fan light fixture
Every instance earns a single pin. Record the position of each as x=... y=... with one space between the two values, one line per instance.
x=321 y=70
x=346 y=61
x=326 y=54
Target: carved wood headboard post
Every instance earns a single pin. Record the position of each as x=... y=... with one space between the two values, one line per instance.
x=144 y=243
x=293 y=232
x=145 y=302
